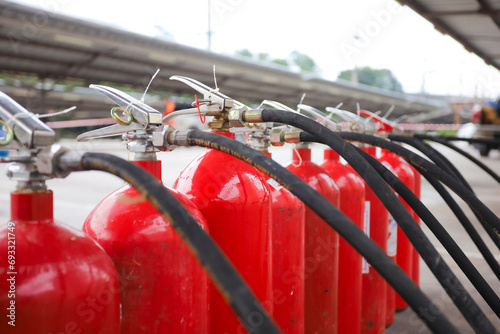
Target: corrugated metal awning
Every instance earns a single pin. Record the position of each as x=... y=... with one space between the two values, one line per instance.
x=473 y=23
x=56 y=46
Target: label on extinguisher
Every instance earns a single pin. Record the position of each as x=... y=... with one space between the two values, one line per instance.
x=392 y=238
x=365 y=268
x=273 y=183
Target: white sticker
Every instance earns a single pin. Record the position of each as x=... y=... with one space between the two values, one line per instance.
x=273 y=183
x=392 y=238
x=365 y=268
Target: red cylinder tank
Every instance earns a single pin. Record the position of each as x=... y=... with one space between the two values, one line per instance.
x=288 y=213
x=55 y=278
x=374 y=291
x=321 y=249
x=163 y=288
x=236 y=202
x=404 y=172
x=352 y=204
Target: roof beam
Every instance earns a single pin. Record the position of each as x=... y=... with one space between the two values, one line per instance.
x=494 y=14
x=485 y=6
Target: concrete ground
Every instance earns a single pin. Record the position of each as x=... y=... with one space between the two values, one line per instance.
x=80 y=192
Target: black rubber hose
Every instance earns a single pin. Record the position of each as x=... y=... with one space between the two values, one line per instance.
x=444 y=142
x=456 y=208
x=495 y=142
x=422 y=164
x=433 y=154
x=396 y=277
x=223 y=274
x=436 y=228
x=461 y=298
x=469 y=228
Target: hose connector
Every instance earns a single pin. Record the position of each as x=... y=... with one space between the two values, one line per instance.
x=277 y=136
x=239 y=115
x=178 y=138
x=292 y=137
x=253 y=116
x=280 y=136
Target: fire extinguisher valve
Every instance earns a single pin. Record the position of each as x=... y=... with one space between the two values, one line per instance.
x=277 y=136
x=353 y=122
x=259 y=141
x=33 y=152
x=228 y=113
x=143 y=133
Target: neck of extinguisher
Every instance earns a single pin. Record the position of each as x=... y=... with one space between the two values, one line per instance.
x=30 y=205
x=301 y=154
x=331 y=155
x=151 y=166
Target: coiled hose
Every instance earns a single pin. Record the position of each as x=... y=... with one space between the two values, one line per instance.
x=436 y=228
x=466 y=305
x=221 y=271
x=396 y=277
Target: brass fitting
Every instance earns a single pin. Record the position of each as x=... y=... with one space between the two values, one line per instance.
x=292 y=137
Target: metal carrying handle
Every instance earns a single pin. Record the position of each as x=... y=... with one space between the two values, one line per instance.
x=108 y=131
x=209 y=94
x=138 y=115
x=321 y=116
x=276 y=105
x=28 y=130
x=135 y=110
x=383 y=125
x=357 y=124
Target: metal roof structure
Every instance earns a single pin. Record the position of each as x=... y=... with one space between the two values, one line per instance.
x=473 y=23
x=59 y=47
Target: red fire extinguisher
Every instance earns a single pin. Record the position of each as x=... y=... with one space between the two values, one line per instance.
x=374 y=291
x=55 y=279
x=236 y=202
x=163 y=288
x=404 y=172
x=321 y=248
x=58 y=280
x=288 y=227
x=352 y=204
x=404 y=248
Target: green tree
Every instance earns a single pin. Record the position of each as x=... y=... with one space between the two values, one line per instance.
x=244 y=53
x=296 y=58
x=283 y=62
x=261 y=56
x=303 y=61
x=381 y=78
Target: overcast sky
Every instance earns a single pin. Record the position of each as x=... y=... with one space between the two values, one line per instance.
x=388 y=36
